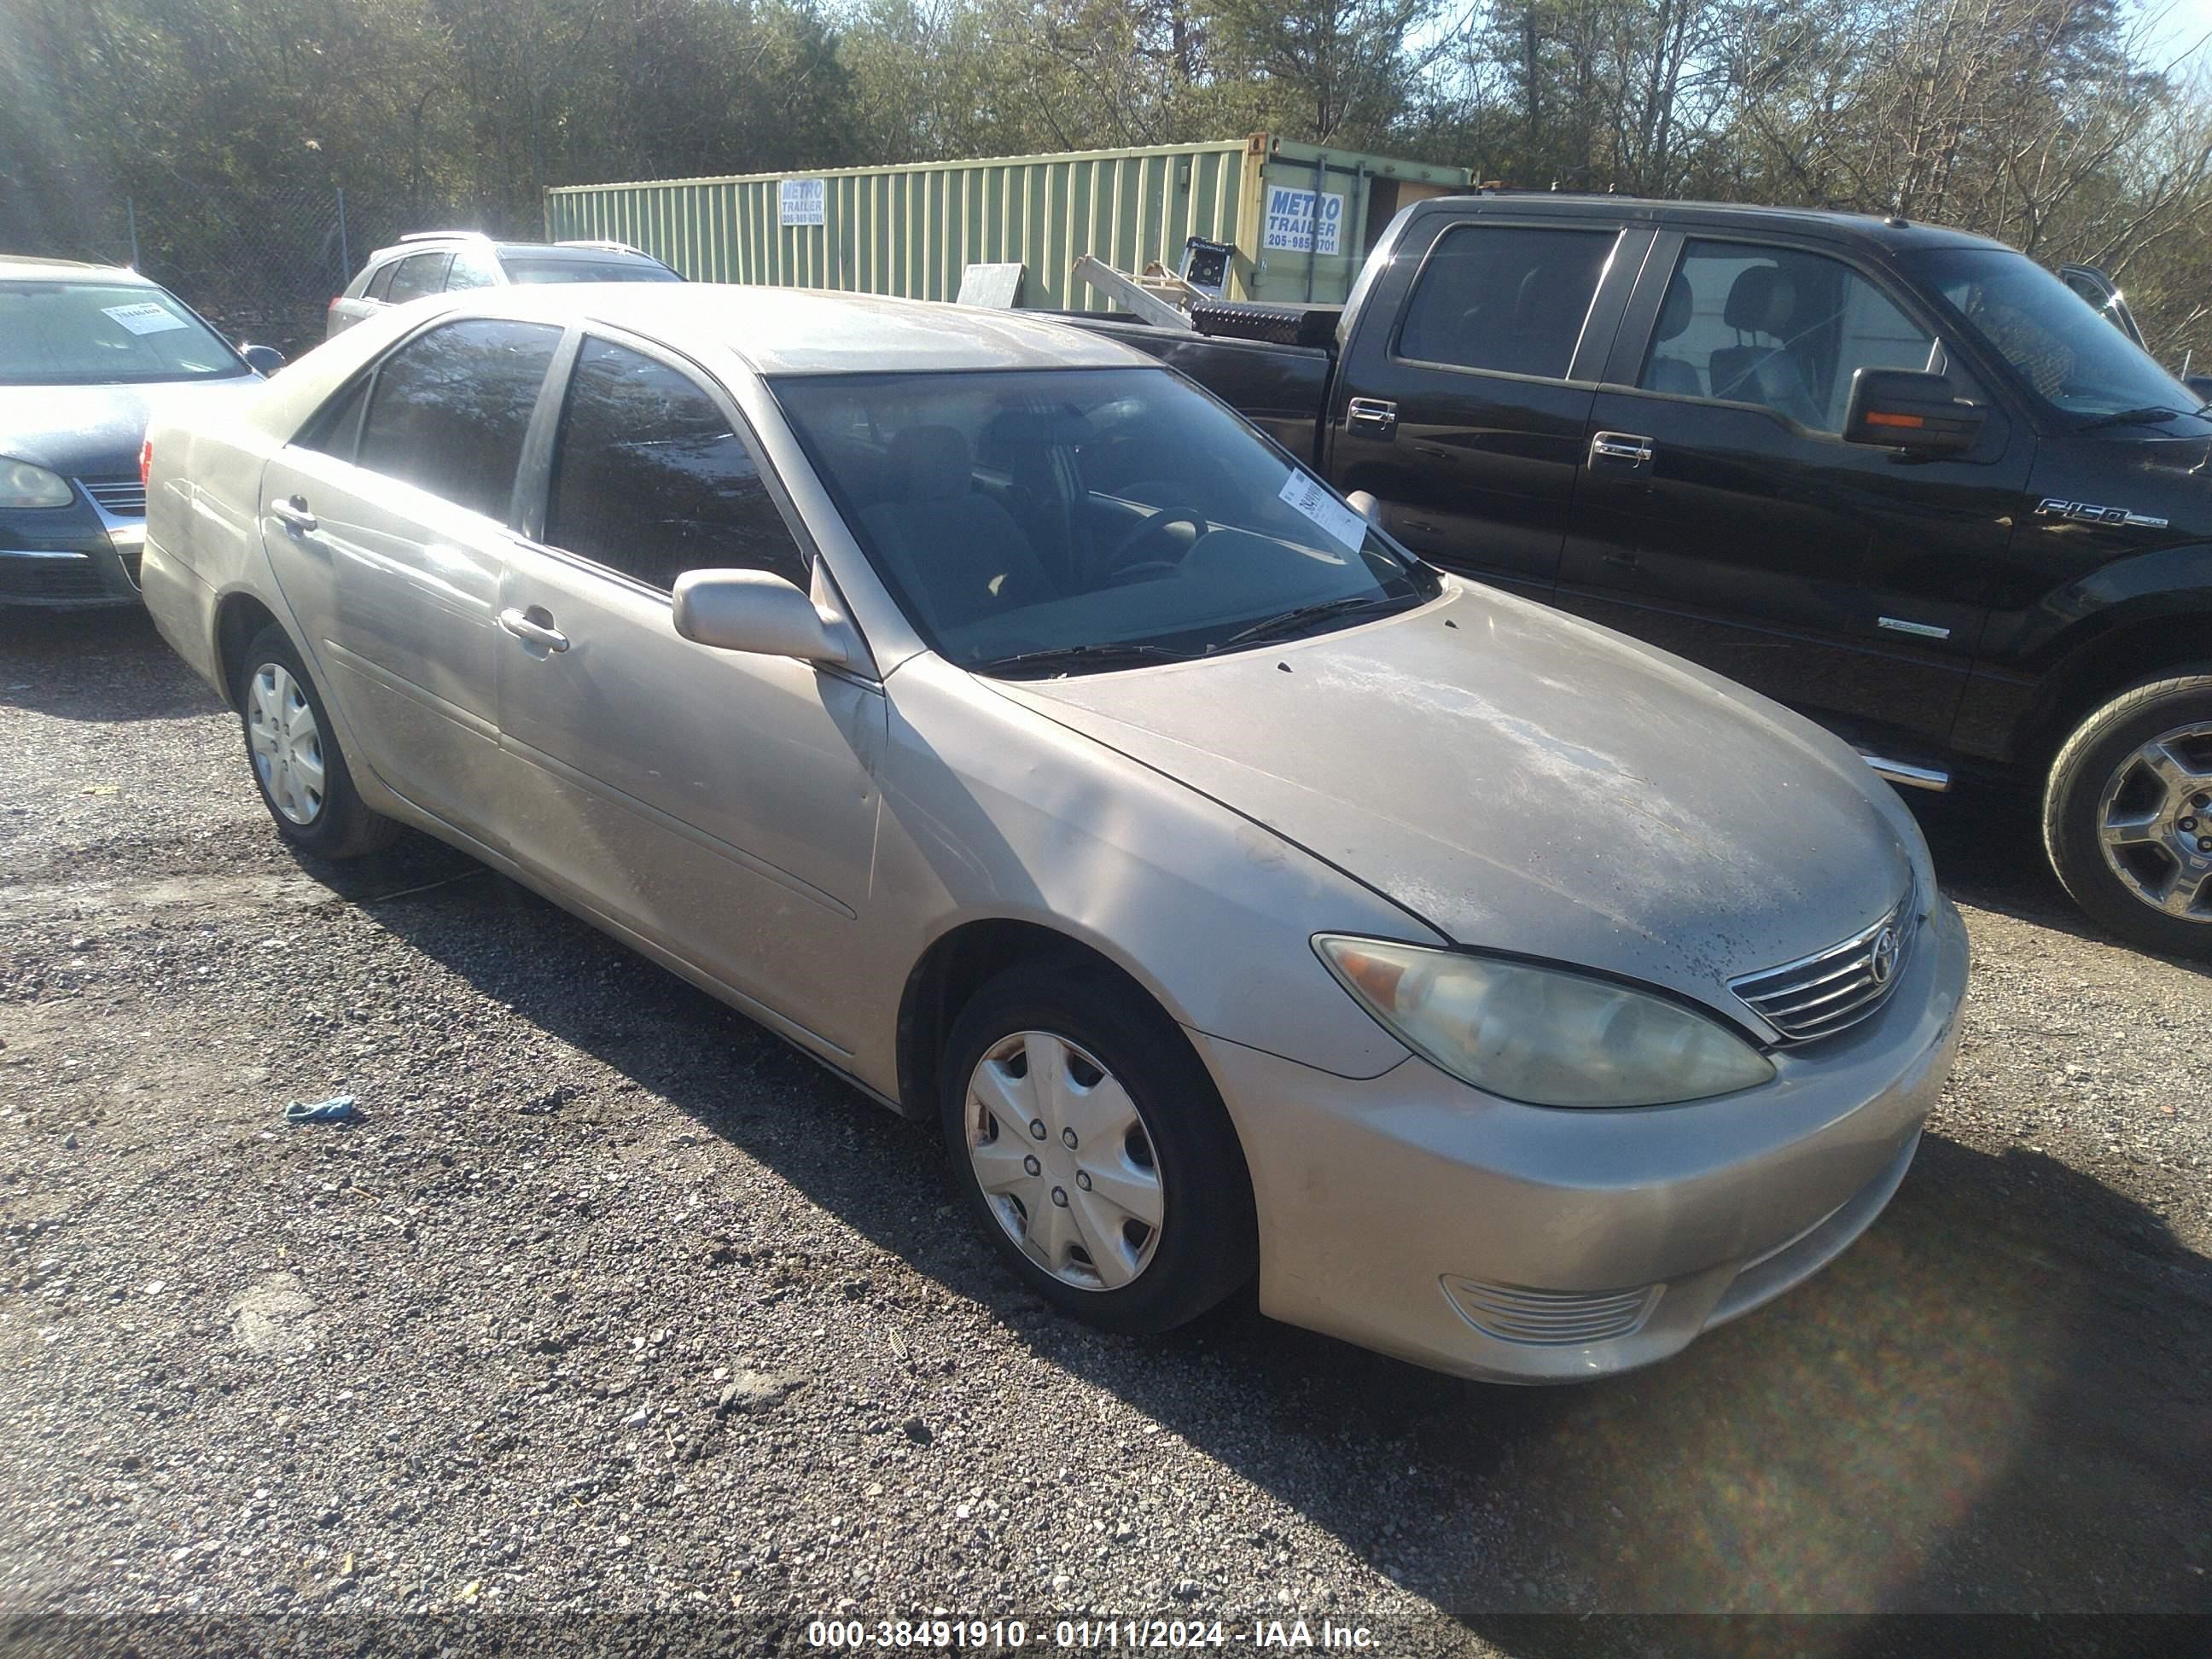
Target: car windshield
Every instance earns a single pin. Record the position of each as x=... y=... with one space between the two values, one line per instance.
x=1050 y=522
x=2058 y=342
x=524 y=269
x=55 y=333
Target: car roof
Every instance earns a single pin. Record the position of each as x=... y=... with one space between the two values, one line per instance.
x=26 y=267
x=1892 y=233
x=780 y=330
x=444 y=241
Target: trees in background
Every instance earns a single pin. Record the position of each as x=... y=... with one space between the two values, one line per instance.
x=2047 y=122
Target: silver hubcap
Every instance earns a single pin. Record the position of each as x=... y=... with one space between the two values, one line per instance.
x=288 y=747
x=2156 y=823
x=1063 y=1160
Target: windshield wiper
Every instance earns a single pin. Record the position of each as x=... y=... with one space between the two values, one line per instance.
x=1102 y=653
x=1289 y=622
x=2134 y=416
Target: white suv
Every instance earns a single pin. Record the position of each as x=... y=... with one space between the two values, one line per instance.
x=436 y=261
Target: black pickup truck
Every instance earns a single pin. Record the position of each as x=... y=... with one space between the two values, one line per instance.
x=1898 y=477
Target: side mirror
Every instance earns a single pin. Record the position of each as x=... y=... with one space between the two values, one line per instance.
x=1903 y=409
x=262 y=359
x=1364 y=503
x=755 y=611
x=2200 y=386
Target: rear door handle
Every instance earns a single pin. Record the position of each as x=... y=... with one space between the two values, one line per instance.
x=294 y=515
x=531 y=631
x=1371 y=417
x=1620 y=448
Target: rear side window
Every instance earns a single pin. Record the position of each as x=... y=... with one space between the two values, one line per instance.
x=650 y=479
x=379 y=285
x=1506 y=298
x=449 y=409
x=419 y=274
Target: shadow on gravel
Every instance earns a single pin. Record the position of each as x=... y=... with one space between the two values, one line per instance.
x=109 y=666
x=1998 y=1401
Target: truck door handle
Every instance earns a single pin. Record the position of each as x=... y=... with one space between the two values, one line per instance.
x=1371 y=417
x=1626 y=448
x=527 y=628
x=293 y=514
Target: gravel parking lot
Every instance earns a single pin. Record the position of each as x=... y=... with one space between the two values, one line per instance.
x=610 y=1301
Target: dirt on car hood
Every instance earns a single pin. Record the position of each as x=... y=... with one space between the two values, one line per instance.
x=1523 y=781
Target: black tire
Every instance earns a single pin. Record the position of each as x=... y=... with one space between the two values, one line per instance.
x=1207 y=1244
x=2101 y=754
x=341 y=828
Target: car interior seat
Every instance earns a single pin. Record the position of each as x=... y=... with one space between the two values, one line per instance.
x=959 y=554
x=1763 y=300
x=1667 y=372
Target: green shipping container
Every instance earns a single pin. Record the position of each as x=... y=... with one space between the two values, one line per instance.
x=1300 y=217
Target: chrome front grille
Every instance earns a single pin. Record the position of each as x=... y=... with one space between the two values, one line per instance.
x=1834 y=989
x=125 y=497
x=1513 y=1313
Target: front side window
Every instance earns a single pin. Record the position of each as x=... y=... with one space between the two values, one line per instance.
x=419 y=274
x=1044 y=521
x=472 y=267
x=2064 y=349
x=449 y=409
x=65 y=333
x=1506 y=298
x=650 y=479
x=1778 y=327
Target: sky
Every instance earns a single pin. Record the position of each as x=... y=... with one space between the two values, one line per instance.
x=2174 y=27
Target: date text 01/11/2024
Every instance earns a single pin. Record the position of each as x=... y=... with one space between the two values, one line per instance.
x=999 y=1634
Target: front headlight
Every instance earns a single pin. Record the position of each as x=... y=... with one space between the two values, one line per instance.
x=23 y=484
x=1541 y=1035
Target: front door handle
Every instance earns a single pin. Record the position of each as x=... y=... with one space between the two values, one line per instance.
x=527 y=628
x=1371 y=417
x=1621 y=448
x=293 y=514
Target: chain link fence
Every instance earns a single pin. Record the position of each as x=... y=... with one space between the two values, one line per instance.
x=261 y=268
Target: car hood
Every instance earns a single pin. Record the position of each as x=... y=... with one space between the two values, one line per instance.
x=1525 y=781
x=86 y=431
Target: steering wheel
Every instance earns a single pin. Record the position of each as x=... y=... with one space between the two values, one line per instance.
x=1124 y=563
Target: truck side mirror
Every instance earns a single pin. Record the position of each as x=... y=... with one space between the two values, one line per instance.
x=1906 y=410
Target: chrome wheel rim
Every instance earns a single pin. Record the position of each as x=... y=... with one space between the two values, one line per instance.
x=287 y=744
x=2155 y=823
x=1065 y=1161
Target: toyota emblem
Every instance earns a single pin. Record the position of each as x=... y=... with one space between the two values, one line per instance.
x=1881 y=960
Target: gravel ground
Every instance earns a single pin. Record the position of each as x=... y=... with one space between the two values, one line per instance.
x=610 y=1301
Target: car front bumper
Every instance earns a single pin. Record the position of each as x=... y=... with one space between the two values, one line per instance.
x=1414 y=1215
x=65 y=558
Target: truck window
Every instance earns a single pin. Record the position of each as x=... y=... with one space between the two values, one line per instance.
x=1504 y=298
x=1778 y=327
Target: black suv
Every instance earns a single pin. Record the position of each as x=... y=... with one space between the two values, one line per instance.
x=436 y=261
x=1900 y=477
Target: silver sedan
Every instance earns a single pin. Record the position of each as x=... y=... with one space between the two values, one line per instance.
x=988 y=712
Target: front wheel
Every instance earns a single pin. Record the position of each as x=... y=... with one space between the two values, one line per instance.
x=2127 y=815
x=1090 y=1142
x=294 y=754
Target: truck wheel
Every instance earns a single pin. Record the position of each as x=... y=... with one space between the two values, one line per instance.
x=1090 y=1140
x=2127 y=815
x=295 y=758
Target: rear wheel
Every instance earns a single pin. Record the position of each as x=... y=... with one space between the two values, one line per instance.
x=1091 y=1143
x=2127 y=817
x=297 y=764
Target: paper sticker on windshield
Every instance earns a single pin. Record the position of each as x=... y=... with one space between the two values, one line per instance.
x=146 y=318
x=1312 y=498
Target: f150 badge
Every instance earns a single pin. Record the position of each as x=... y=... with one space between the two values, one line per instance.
x=2090 y=512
